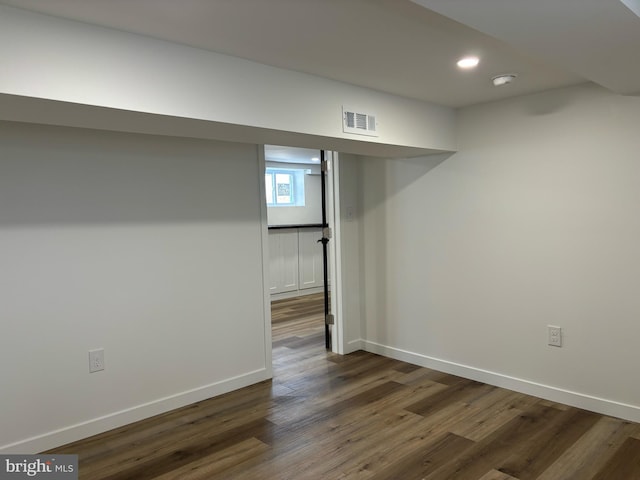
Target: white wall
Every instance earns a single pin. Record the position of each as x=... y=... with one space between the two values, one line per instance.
x=156 y=269
x=44 y=57
x=149 y=247
x=311 y=212
x=534 y=222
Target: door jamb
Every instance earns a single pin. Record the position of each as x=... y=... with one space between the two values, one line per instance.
x=264 y=233
x=335 y=252
x=333 y=219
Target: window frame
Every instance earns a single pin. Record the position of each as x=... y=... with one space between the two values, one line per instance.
x=271 y=187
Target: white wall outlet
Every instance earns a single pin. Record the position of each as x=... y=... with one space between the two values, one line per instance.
x=349 y=213
x=96 y=360
x=555 y=336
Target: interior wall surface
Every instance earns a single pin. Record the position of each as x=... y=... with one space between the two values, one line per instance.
x=148 y=247
x=60 y=60
x=534 y=222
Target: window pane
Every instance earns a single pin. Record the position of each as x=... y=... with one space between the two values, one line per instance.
x=284 y=187
x=284 y=190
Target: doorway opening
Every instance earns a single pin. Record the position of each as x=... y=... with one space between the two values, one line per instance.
x=299 y=199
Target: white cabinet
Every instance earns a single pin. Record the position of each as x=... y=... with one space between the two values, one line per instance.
x=310 y=270
x=295 y=260
x=283 y=260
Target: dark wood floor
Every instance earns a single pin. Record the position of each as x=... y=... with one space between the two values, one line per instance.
x=328 y=417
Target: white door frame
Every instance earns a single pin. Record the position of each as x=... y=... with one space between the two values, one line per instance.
x=266 y=282
x=335 y=252
x=333 y=220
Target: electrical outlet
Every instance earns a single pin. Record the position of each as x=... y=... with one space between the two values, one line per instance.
x=349 y=213
x=96 y=360
x=555 y=336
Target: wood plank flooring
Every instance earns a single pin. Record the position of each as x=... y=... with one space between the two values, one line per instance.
x=310 y=307
x=362 y=416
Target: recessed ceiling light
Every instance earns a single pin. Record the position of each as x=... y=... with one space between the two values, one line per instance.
x=500 y=80
x=468 y=62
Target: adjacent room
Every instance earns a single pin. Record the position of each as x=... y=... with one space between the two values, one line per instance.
x=296 y=190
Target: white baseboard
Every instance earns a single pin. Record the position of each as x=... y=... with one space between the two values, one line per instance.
x=575 y=399
x=354 y=346
x=297 y=293
x=94 y=426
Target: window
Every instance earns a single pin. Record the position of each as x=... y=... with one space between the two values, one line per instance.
x=284 y=187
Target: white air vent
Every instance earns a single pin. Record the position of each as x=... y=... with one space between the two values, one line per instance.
x=358 y=122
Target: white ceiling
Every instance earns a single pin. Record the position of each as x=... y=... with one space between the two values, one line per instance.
x=397 y=46
x=597 y=39
x=276 y=153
